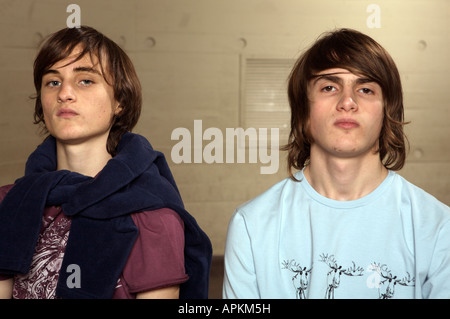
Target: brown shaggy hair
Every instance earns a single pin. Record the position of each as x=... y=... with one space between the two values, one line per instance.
x=116 y=66
x=361 y=55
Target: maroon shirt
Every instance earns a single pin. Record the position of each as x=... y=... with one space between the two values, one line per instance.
x=156 y=259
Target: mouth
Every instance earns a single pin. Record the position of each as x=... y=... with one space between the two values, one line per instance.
x=346 y=124
x=66 y=113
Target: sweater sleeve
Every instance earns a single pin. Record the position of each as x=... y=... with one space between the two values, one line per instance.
x=157 y=257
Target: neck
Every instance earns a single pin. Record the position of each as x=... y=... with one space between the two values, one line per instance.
x=345 y=179
x=85 y=159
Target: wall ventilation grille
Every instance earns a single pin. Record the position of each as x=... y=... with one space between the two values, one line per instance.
x=264 y=101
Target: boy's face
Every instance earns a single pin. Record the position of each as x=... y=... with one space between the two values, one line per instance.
x=346 y=114
x=78 y=104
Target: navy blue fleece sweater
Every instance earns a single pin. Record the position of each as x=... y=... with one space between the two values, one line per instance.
x=102 y=231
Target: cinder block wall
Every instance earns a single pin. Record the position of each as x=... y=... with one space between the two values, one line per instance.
x=188 y=56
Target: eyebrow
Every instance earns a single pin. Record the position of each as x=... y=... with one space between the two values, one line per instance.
x=336 y=79
x=77 y=69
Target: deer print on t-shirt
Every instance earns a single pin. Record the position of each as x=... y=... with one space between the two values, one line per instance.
x=300 y=279
x=334 y=275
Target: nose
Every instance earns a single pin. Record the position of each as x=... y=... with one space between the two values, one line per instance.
x=66 y=93
x=347 y=102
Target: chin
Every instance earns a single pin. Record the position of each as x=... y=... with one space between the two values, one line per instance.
x=345 y=149
x=68 y=137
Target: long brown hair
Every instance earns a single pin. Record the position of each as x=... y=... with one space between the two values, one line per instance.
x=360 y=54
x=116 y=67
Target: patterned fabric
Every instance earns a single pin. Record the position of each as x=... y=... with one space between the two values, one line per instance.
x=40 y=282
x=159 y=231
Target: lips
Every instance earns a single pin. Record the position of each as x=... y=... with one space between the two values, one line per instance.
x=66 y=113
x=346 y=123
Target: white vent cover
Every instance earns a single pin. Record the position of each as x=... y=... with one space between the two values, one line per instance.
x=264 y=102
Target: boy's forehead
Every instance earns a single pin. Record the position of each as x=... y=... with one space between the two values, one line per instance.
x=74 y=58
x=339 y=75
x=334 y=71
x=78 y=61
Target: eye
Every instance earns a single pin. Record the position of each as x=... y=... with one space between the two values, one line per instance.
x=53 y=83
x=366 y=91
x=86 y=82
x=328 y=88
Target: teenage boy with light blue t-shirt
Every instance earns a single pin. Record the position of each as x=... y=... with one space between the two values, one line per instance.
x=345 y=225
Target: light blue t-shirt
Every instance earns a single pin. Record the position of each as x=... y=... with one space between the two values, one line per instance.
x=292 y=242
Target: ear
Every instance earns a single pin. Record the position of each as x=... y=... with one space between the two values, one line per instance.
x=118 y=109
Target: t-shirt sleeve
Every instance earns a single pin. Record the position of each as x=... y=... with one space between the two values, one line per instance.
x=157 y=257
x=240 y=276
x=436 y=283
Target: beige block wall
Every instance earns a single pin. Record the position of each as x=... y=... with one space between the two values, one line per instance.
x=187 y=54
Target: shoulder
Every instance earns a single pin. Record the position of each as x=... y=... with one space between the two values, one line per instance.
x=426 y=211
x=271 y=199
x=265 y=211
x=414 y=196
